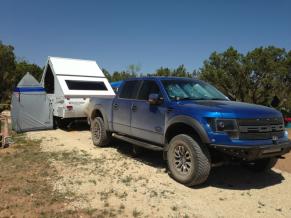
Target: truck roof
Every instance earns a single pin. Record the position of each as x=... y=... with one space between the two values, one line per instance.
x=160 y=78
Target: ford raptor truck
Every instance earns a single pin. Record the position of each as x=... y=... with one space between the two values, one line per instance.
x=193 y=123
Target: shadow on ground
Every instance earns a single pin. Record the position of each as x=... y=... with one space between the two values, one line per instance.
x=234 y=177
x=78 y=125
x=148 y=157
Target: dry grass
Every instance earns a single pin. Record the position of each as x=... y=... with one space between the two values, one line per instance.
x=27 y=177
x=66 y=176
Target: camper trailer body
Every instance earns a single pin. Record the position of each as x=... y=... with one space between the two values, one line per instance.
x=69 y=83
x=62 y=94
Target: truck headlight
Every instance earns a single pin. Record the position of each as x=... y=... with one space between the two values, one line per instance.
x=228 y=126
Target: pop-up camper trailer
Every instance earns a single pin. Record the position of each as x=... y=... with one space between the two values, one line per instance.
x=68 y=85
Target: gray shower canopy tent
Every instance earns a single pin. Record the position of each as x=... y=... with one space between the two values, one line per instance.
x=31 y=107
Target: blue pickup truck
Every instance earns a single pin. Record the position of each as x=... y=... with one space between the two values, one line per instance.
x=194 y=124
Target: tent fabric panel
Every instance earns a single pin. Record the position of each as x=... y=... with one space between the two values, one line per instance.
x=31 y=111
x=28 y=81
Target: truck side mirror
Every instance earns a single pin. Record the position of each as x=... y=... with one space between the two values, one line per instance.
x=155 y=99
x=231 y=98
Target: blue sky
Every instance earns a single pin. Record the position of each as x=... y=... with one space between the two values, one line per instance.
x=148 y=33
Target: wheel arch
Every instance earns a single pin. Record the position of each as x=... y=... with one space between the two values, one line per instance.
x=99 y=112
x=184 y=124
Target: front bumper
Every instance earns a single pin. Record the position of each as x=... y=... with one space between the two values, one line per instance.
x=254 y=152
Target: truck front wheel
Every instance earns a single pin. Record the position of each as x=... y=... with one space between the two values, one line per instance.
x=261 y=165
x=100 y=136
x=188 y=162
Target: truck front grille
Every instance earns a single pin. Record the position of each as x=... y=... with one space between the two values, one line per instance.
x=259 y=129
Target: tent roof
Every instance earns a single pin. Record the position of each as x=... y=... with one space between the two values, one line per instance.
x=74 y=67
x=28 y=81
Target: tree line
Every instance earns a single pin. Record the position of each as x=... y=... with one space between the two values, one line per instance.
x=261 y=76
x=12 y=70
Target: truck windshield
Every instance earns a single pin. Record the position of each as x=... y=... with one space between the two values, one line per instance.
x=191 y=90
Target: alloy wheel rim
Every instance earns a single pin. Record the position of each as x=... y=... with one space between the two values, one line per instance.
x=182 y=160
x=96 y=131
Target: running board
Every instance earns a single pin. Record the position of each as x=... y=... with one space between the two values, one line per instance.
x=137 y=142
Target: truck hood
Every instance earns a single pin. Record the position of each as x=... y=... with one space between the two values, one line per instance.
x=228 y=109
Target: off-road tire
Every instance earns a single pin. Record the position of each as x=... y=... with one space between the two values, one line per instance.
x=261 y=165
x=197 y=157
x=100 y=136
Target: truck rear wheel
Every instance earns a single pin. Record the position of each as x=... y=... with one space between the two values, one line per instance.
x=261 y=165
x=100 y=136
x=188 y=162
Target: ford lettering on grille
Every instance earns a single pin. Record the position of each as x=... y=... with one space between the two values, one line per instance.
x=259 y=129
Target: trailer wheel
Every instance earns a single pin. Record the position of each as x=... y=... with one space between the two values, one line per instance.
x=100 y=136
x=60 y=123
x=55 y=122
x=188 y=162
x=261 y=165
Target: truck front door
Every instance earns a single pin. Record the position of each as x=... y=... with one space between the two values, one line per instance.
x=147 y=121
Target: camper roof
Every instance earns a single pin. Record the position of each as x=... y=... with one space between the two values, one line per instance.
x=75 y=67
x=74 y=77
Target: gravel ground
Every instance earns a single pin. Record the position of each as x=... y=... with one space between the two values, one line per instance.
x=128 y=186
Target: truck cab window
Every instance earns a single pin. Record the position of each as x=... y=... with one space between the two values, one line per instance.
x=148 y=87
x=49 y=82
x=129 y=89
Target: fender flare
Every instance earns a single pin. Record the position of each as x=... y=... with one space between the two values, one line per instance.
x=192 y=123
x=103 y=113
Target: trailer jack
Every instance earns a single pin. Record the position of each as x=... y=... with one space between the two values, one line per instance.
x=4 y=132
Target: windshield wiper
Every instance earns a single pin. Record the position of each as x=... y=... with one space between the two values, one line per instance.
x=221 y=99
x=177 y=98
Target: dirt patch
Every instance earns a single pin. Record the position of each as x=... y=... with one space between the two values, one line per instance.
x=285 y=164
x=26 y=189
x=114 y=183
x=27 y=180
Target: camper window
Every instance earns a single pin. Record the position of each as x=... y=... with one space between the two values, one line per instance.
x=86 y=85
x=49 y=83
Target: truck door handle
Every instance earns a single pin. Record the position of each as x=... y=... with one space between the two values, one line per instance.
x=169 y=110
x=115 y=106
x=134 y=107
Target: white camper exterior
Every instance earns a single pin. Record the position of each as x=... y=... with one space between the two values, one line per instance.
x=69 y=84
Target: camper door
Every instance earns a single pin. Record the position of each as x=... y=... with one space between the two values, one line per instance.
x=31 y=107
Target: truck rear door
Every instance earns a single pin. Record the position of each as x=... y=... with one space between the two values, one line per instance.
x=122 y=106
